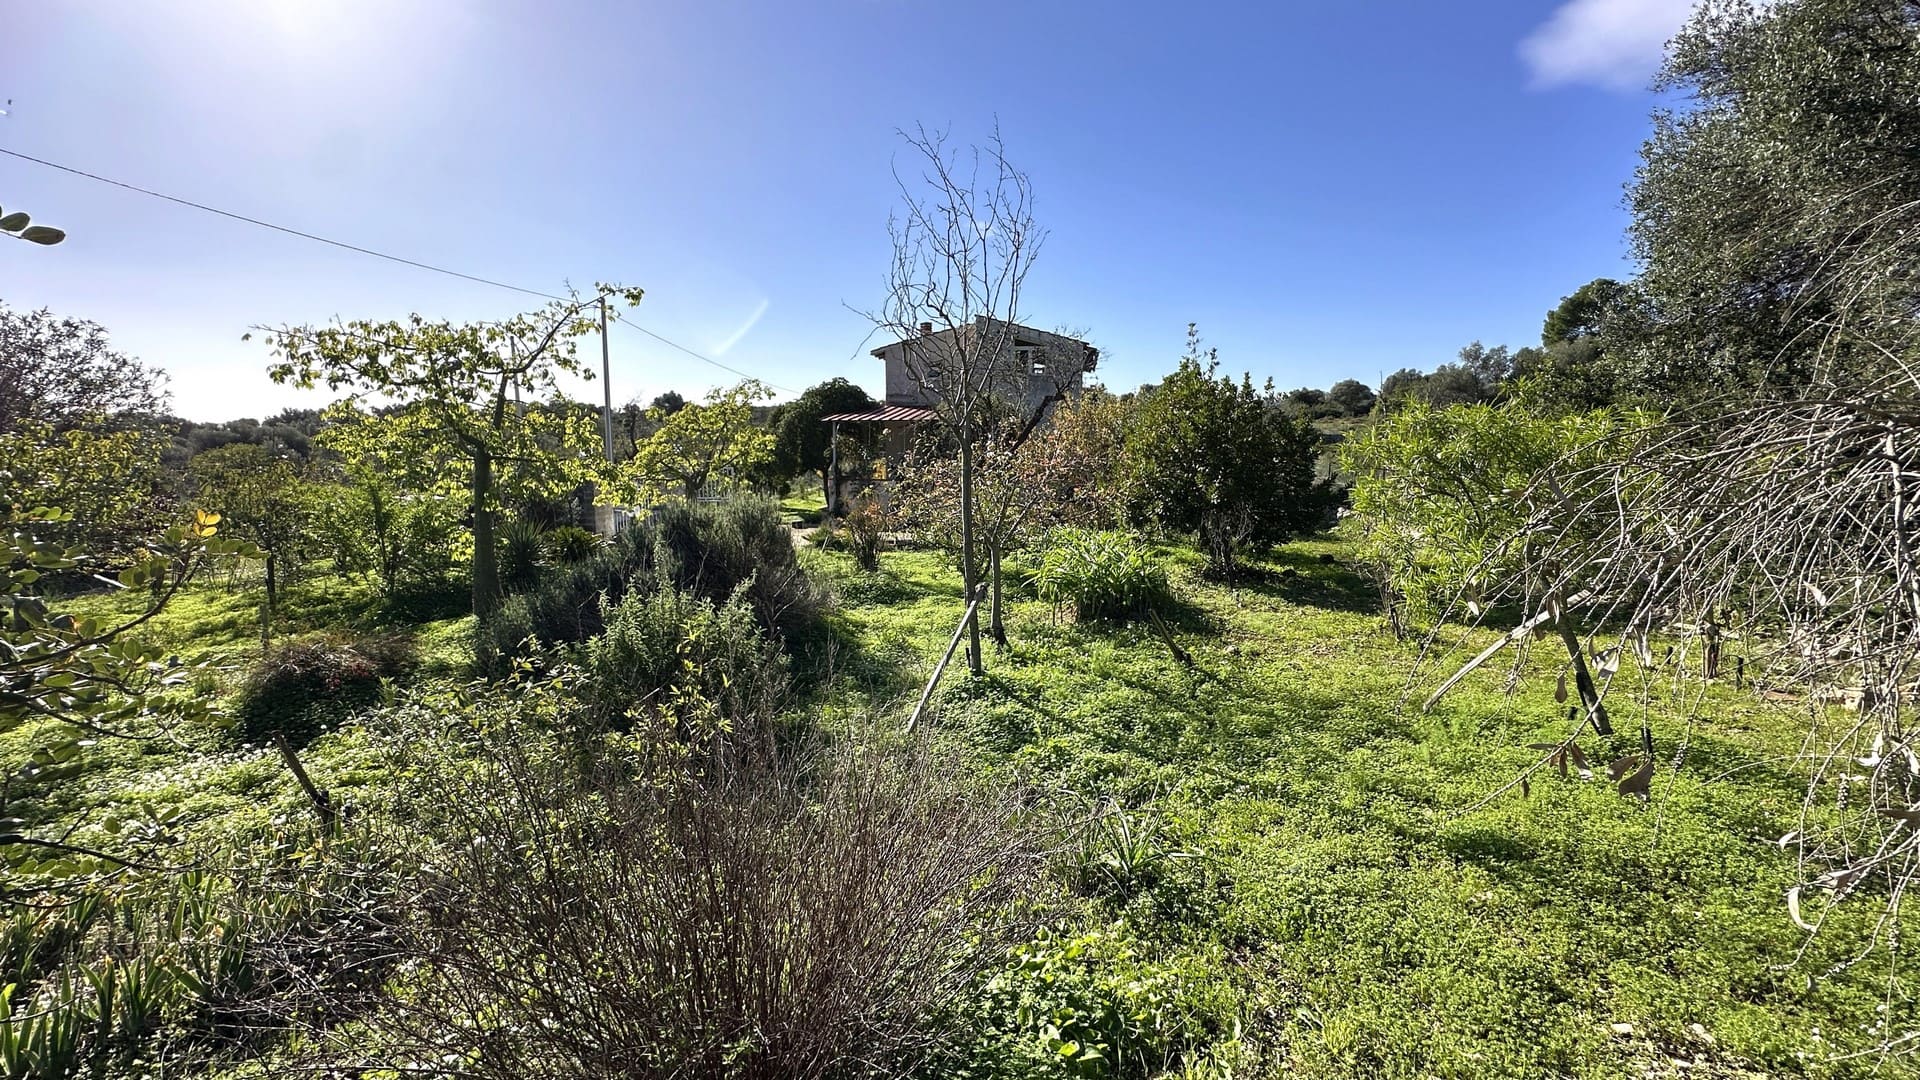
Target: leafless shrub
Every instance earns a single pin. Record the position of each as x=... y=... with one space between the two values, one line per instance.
x=649 y=913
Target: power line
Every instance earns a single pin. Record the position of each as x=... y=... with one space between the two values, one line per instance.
x=277 y=228
x=415 y=263
x=704 y=359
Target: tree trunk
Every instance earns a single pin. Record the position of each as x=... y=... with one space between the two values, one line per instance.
x=486 y=567
x=974 y=662
x=273 y=604
x=995 y=626
x=1583 y=680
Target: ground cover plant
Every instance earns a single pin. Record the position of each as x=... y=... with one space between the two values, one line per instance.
x=1317 y=868
x=1265 y=858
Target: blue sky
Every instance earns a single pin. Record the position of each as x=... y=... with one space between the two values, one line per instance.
x=1331 y=191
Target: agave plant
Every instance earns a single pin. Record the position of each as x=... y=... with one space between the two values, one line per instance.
x=21 y=227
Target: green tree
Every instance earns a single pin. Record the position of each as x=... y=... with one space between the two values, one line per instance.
x=110 y=475
x=1776 y=213
x=1571 y=371
x=1582 y=313
x=1402 y=386
x=1217 y=458
x=62 y=373
x=74 y=679
x=711 y=442
x=262 y=499
x=454 y=392
x=668 y=403
x=1354 y=397
x=802 y=441
x=1442 y=496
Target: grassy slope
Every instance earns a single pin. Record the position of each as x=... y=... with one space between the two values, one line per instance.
x=1374 y=927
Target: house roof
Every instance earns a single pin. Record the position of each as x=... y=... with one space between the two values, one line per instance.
x=887 y=413
x=1031 y=335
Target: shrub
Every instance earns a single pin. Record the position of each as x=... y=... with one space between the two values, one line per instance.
x=566 y=606
x=520 y=544
x=866 y=522
x=829 y=536
x=568 y=544
x=306 y=686
x=669 y=651
x=1106 y=576
x=631 y=916
x=713 y=549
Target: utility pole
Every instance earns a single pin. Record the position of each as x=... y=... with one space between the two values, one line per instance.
x=606 y=384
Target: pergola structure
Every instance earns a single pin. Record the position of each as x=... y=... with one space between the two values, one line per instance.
x=892 y=422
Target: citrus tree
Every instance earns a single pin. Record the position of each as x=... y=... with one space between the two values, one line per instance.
x=1218 y=458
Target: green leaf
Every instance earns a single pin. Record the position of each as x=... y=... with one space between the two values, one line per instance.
x=43 y=234
x=15 y=221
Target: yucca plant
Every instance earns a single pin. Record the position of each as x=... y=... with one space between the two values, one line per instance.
x=568 y=544
x=520 y=551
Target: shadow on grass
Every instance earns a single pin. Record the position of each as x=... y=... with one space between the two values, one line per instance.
x=1315 y=579
x=833 y=651
x=428 y=603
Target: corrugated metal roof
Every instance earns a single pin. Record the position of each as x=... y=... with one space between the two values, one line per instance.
x=887 y=413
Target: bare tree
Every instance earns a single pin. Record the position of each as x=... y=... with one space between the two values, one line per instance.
x=962 y=247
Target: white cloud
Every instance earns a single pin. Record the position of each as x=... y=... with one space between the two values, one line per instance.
x=1616 y=44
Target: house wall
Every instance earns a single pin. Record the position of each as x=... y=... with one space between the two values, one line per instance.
x=1064 y=359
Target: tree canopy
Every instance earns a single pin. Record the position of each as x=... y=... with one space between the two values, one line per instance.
x=458 y=390
x=1774 y=210
x=62 y=373
x=1221 y=459
x=801 y=440
x=709 y=442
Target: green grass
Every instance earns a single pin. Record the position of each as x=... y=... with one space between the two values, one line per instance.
x=206 y=776
x=1370 y=922
x=1311 y=892
x=806 y=499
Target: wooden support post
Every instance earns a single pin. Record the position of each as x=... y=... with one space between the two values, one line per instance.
x=940 y=668
x=833 y=468
x=322 y=806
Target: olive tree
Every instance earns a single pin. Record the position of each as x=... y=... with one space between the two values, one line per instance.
x=1777 y=220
